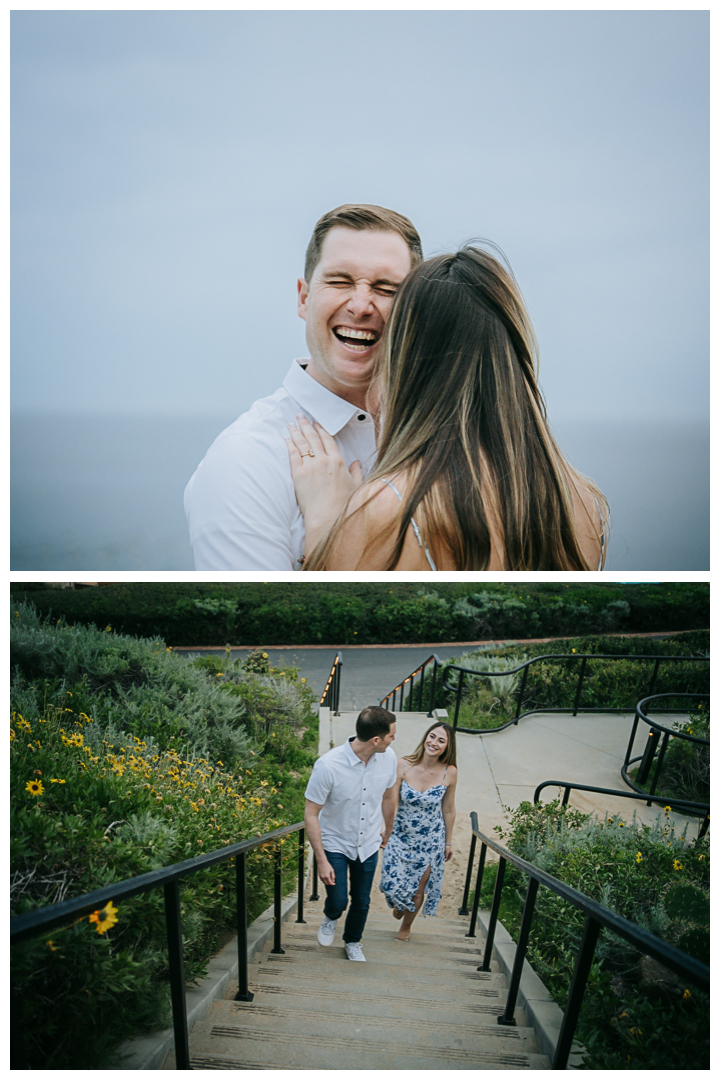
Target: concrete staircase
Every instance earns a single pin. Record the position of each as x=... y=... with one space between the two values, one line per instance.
x=416 y=1005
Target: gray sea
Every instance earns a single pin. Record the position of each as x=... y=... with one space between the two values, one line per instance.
x=98 y=493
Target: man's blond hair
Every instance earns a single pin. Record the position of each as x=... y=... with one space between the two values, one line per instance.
x=362 y=216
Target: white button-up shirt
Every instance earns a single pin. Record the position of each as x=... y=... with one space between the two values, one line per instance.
x=240 y=501
x=351 y=795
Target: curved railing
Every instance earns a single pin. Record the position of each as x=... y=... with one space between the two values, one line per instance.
x=683 y=806
x=388 y=702
x=597 y=916
x=45 y=918
x=331 y=694
x=583 y=659
x=652 y=744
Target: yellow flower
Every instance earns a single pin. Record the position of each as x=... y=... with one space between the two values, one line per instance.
x=34 y=787
x=573 y=650
x=108 y=629
x=303 y=680
x=635 y=1031
x=667 y=809
x=53 y=948
x=639 y=857
x=264 y=656
x=105 y=918
x=677 y=865
x=57 y=781
x=263 y=783
x=686 y=995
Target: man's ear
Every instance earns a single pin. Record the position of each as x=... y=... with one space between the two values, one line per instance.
x=302 y=288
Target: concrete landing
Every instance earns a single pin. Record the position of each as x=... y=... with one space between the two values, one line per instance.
x=416 y=1005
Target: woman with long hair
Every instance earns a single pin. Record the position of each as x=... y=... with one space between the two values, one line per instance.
x=421 y=841
x=468 y=475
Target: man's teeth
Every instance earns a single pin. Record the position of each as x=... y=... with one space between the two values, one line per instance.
x=362 y=337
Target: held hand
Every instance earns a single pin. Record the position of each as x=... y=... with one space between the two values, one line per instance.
x=384 y=837
x=326 y=872
x=448 y=852
x=323 y=482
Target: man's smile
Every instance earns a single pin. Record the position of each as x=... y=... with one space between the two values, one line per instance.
x=354 y=339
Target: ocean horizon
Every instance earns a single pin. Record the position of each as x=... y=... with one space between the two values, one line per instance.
x=97 y=493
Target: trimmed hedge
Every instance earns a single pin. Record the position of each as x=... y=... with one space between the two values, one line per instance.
x=310 y=613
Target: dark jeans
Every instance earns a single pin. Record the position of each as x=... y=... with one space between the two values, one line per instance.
x=361 y=879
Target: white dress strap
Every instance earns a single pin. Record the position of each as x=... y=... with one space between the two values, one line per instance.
x=413 y=522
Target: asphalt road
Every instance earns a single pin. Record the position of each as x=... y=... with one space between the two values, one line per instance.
x=367 y=674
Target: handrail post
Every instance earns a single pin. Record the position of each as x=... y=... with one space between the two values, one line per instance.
x=463 y=909
x=243 y=993
x=422 y=684
x=658 y=767
x=493 y=916
x=432 y=692
x=458 y=695
x=314 y=895
x=579 y=686
x=402 y=696
x=173 y=923
x=508 y=1017
x=301 y=875
x=478 y=886
x=337 y=699
x=277 y=920
x=566 y=796
x=412 y=688
x=628 y=752
x=521 y=693
x=654 y=676
x=577 y=989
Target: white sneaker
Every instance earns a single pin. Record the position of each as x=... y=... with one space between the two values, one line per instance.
x=326 y=933
x=353 y=950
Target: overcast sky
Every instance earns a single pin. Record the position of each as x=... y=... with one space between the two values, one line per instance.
x=168 y=169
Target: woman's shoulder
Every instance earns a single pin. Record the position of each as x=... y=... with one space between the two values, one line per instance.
x=590 y=518
x=379 y=499
x=451 y=773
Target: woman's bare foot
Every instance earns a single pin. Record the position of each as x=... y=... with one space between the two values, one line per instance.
x=397 y=914
x=403 y=935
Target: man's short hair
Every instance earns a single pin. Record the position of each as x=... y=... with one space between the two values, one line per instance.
x=361 y=217
x=373 y=721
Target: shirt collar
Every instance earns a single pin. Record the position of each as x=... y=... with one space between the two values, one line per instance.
x=350 y=753
x=333 y=412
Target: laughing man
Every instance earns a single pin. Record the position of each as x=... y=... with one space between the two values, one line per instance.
x=240 y=502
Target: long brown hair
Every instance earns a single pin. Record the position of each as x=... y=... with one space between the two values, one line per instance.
x=463 y=419
x=449 y=754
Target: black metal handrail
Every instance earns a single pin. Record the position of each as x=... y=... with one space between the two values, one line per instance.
x=597 y=916
x=331 y=694
x=400 y=688
x=36 y=922
x=682 y=806
x=651 y=746
x=524 y=667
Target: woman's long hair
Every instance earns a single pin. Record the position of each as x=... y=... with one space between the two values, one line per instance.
x=463 y=419
x=449 y=754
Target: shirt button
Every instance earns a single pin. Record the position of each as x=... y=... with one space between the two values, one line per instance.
x=362 y=416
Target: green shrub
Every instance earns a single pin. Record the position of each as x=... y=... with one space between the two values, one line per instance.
x=305 y=612
x=126 y=758
x=635 y=1013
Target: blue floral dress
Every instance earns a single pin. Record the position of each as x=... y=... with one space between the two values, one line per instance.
x=417 y=839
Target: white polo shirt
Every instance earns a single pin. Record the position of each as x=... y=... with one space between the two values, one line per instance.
x=351 y=795
x=240 y=501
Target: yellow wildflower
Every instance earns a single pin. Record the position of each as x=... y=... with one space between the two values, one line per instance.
x=677 y=865
x=639 y=857
x=34 y=787
x=686 y=995
x=105 y=918
x=57 y=781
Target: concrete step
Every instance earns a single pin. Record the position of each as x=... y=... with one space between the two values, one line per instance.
x=368 y=998
x=387 y=1010
x=361 y=1044
x=411 y=953
x=334 y=964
